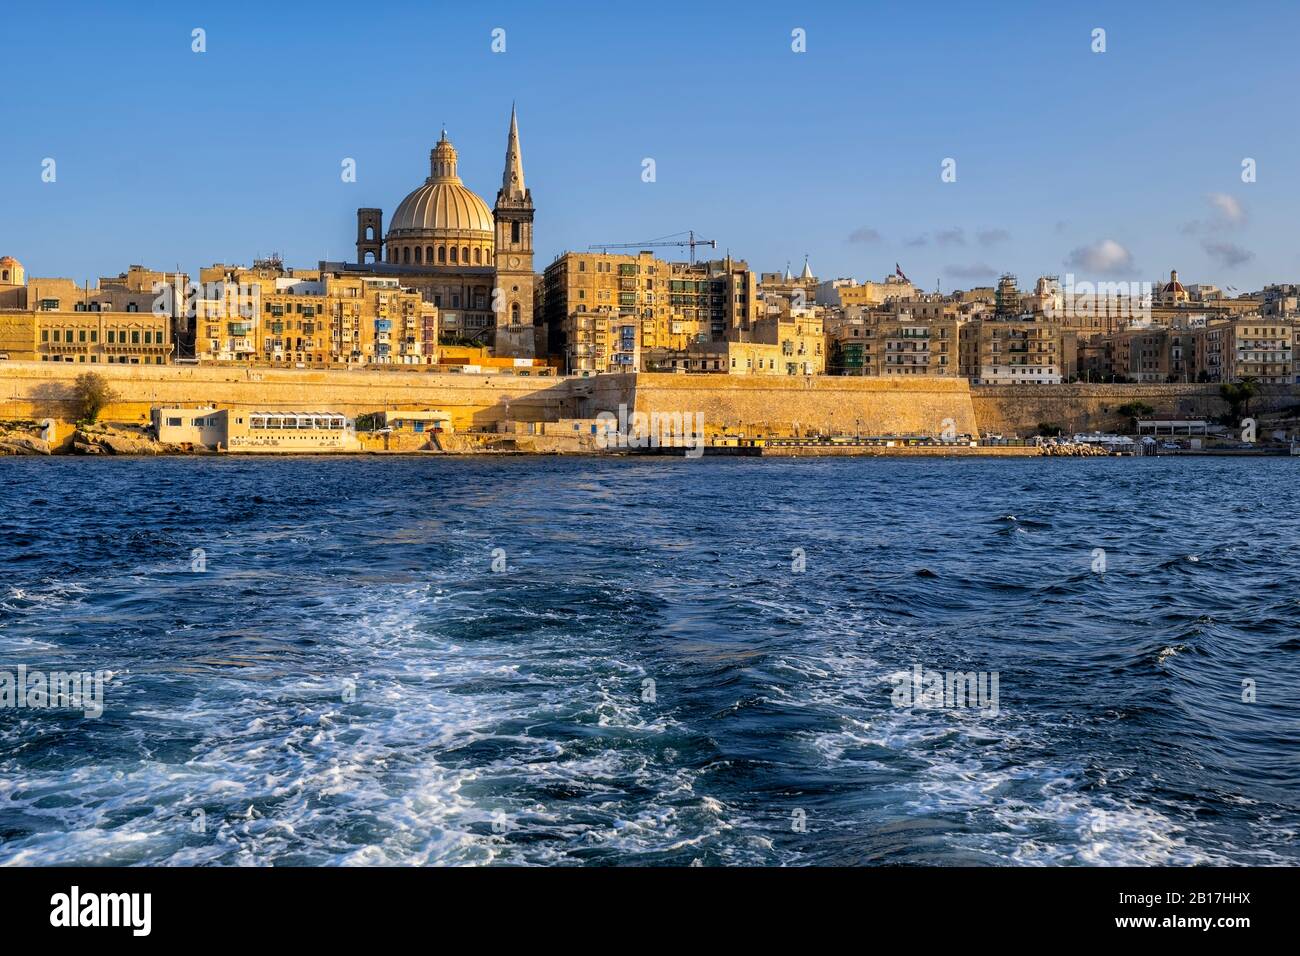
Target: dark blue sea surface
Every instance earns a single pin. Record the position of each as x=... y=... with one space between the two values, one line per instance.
x=649 y=680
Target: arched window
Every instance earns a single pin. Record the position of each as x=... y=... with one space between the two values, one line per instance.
x=464 y=255
x=132 y=307
x=406 y=255
x=5 y=276
x=442 y=253
x=370 y=257
x=454 y=254
x=514 y=232
x=514 y=313
x=478 y=256
x=428 y=254
x=418 y=255
x=370 y=233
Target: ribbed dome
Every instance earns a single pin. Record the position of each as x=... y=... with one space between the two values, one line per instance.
x=443 y=207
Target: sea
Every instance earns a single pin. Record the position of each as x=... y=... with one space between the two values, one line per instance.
x=650 y=661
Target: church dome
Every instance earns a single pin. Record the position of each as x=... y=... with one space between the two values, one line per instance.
x=444 y=207
x=1174 y=291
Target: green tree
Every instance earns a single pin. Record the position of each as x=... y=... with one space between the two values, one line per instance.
x=1133 y=411
x=90 y=393
x=1238 y=396
x=368 y=421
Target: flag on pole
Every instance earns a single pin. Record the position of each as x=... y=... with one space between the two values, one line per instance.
x=898 y=271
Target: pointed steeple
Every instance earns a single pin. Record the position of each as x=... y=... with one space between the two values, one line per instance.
x=512 y=180
x=788 y=276
x=807 y=272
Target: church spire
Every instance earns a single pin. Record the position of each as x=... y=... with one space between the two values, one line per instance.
x=512 y=180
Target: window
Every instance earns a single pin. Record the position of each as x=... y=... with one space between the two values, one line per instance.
x=514 y=232
x=135 y=338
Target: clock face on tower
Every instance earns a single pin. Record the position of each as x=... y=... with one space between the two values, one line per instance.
x=514 y=262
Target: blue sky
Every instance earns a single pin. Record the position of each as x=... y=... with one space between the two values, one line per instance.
x=167 y=157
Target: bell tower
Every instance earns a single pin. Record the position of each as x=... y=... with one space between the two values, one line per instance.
x=370 y=235
x=513 y=296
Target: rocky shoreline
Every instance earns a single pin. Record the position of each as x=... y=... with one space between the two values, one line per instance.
x=25 y=438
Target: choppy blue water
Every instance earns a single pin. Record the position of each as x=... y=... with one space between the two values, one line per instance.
x=506 y=716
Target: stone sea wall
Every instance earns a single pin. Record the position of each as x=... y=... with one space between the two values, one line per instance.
x=36 y=390
x=753 y=405
x=780 y=405
x=1019 y=409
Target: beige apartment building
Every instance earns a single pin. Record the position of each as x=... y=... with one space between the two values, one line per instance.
x=1252 y=347
x=897 y=343
x=785 y=342
x=1145 y=353
x=1017 y=351
x=304 y=318
x=607 y=313
x=869 y=294
x=122 y=319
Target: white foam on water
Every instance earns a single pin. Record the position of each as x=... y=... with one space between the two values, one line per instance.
x=286 y=771
x=937 y=764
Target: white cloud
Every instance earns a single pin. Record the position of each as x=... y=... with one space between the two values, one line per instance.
x=1228 y=207
x=1228 y=214
x=1106 y=257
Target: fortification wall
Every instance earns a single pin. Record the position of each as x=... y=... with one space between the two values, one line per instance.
x=1019 y=409
x=753 y=404
x=43 y=389
x=781 y=405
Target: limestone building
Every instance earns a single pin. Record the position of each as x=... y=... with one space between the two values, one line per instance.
x=268 y=314
x=896 y=342
x=121 y=320
x=473 y=263
x=607 y=313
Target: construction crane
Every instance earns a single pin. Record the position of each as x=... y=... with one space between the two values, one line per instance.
x=671 y=240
